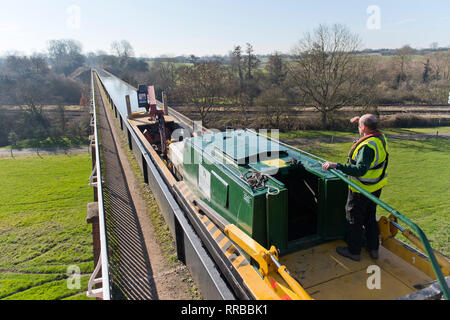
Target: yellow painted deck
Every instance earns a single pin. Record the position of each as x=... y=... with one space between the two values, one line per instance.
x=326 y=275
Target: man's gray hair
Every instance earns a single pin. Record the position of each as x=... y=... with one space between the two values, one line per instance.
x=370 y=121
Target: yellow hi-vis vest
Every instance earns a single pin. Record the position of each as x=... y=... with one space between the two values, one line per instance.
x=376 y=177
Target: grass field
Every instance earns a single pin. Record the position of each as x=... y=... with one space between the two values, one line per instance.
x=418 y=185
x=43 y=210
x=305 y=134
x=43 y=227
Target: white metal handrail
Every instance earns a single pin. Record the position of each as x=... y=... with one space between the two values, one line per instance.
x=95 y=293
x=93 y=178
x=104 y=291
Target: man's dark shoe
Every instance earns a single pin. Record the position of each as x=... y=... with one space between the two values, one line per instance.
x=373 y=254
x=343 y=251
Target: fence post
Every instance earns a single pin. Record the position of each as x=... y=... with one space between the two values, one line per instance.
x=127 y=99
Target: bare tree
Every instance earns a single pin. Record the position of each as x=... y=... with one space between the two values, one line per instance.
x=402 y=57
x=203 y=85
x=38 y=64
x=277 y=70
x=251 y=63
x=426 y=75
x=62 y=119
x=65 y=55
x=13 y=139
x=164 y=76
x=17 y=66
x=274 y=106
x=440 y=65
x=237 y=67
x=193 y=59
x=122 y=49
x=325 y=70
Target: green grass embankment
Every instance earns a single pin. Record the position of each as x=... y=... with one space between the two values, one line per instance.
x=43 y=227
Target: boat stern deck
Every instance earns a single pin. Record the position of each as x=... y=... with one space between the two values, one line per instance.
x=327 y=275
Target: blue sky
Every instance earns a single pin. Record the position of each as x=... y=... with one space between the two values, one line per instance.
x=203 y=27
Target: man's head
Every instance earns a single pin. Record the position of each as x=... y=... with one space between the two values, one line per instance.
x=367 y=124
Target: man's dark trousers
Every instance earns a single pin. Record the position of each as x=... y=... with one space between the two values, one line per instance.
x=362 y=212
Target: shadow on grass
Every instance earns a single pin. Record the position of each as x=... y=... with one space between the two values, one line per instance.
x=425 y=145
x=391 y=131
x=328 y=151
x=52 y=143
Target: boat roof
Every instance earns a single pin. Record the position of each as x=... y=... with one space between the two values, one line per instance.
x=242 y=146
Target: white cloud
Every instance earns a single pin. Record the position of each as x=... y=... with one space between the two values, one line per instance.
x=405 y=21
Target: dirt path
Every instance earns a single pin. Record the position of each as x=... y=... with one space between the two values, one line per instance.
x=6 y=153
x=331 y=139
x=168 y=281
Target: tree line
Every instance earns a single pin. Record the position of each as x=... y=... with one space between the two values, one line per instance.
x=30 y=83
x=327 y=70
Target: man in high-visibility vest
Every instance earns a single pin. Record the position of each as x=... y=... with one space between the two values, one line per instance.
x=367 y=167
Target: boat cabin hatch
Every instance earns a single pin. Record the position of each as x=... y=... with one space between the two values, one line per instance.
x=275 y=194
